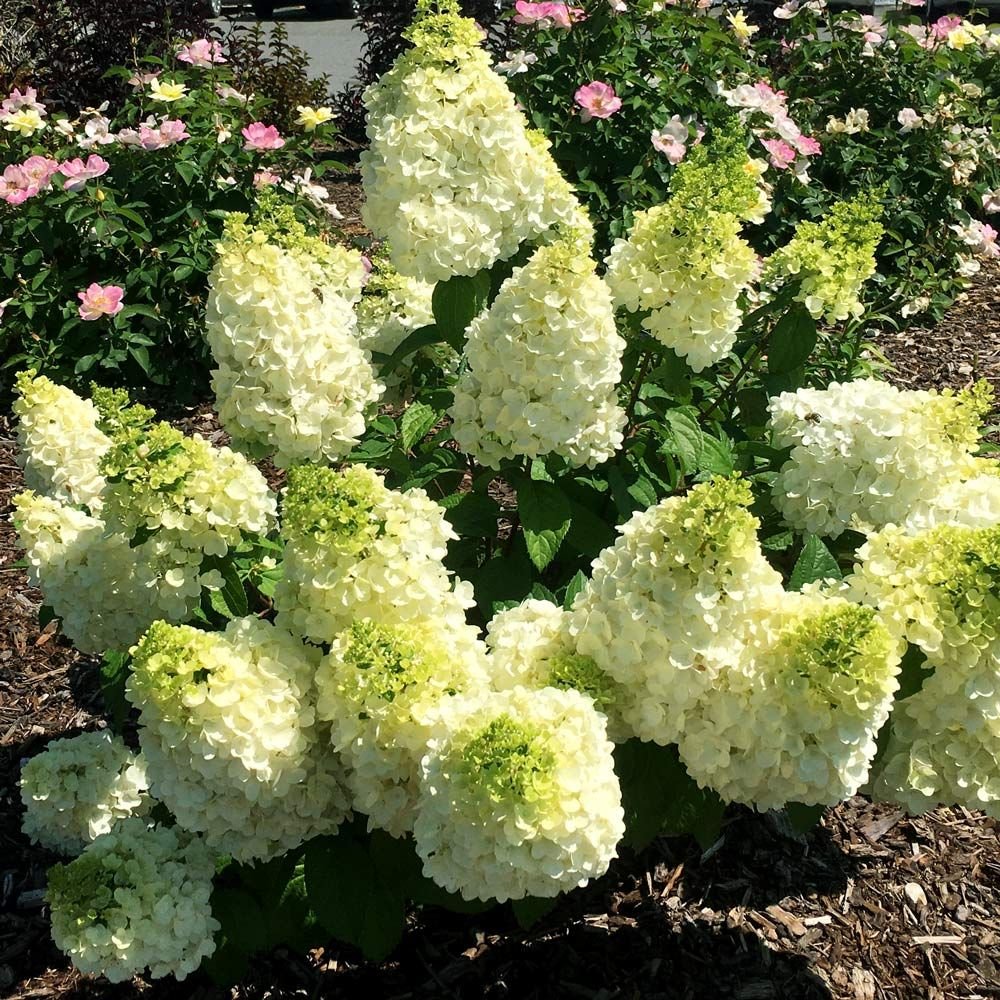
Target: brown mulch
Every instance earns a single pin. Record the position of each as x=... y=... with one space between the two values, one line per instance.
x=872 y=905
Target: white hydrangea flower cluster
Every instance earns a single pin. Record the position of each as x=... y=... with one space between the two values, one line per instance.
x=685 y=262
x=378 y=688
x=452 y=178
x=105 y=592
x=355 y=549
x=78 y=788
x=832 y=259
x=544 y=362
x=136 y=899
x=293 y=380
x=940 y=590
x=230 y=736
x=392 y=306
x=518 y=795
x=795 y=719
x=665 y=610
x=866 y=454
x=60 y=443
x=531 y=646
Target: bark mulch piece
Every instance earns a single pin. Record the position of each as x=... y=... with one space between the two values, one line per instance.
x=871 y=905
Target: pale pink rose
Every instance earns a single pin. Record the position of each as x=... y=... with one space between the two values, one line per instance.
x=265 y=178
x=991 y=201
x=987 y=245
x=21 y=102
x=77 y=173
x=618 y=6
x=140 y=81
x=39 y=170
x=909 y=119
x=365 y=263
x=671 y=140
x=919 y=33
x=871 y=27
x=151 y=138
x=15 y=187
x=597 y=100
x=230 y=94
x=260 y=137
x=201 y=53
x=944 y=25
x=807 y=145
x=95 y=133
x=547 y=15
x=173 y=130
x=782 y=156
x=100 y=300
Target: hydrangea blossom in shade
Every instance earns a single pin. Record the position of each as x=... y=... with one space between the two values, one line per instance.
x=78 y=788
x=60 y=445
x=378 y=688
x=230 y=736
x=940 y=590
x=684 y=261
x=136 y=899
x=543 y=365
x=451 y=178
x=356 y=549
x=796 y=719
x=104 y=591
x=663 y=612
x=292 y=379
x=832 y=258
x=530 y=646
x=518 y=795
x=867 y=454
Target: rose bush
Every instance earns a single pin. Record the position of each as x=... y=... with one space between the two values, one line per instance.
x=630 y=541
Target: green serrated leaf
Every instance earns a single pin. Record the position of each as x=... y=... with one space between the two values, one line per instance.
x=575 y=585
x=230 y=600
x=456 y=302
x=716 y=456
x=792 y=341
x=113 y=675
x=418 y=419
x=684 y=439
x=546 y=516
x=815 y=562
x=350 y=896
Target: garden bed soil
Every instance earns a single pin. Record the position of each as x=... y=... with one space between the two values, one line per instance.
x=871 y=905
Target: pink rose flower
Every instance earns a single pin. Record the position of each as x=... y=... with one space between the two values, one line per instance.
x=21 y=181
x=261 y=137
x=806 y=145
x=100 y=300
x=39 y=170
x=173 y=130
x=142 y=80
x=782 y=156
x=20 y=102
x=77 y=173
x=671 y=140
x=201 y=53
x=991 y=201
x=547 y=15
x=265 y=178
x=944 y=25
x=597 y=100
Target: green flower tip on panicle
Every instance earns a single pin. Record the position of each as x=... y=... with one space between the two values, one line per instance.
x=119 y=416
x=330 y=506
x=716 y=176
x=573 y=671
x=24 y=380
x=83 y=889
x=847 y=641
x=962 y=412
x=168 y=663
x=439 y=32
x=962 y=562
x=391 y=660
x=718 y=508
x=157 y=458
x=507 y=761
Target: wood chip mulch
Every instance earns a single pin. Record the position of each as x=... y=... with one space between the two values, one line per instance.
x=872 y=905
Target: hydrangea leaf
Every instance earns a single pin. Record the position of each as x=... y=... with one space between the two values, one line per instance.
x=545 y=516
x=815 y=562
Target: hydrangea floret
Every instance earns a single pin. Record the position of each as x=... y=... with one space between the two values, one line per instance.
x=544 y=363
x=230 y=736
x=867 y=454
x=78 y=788
x=795 y=719
x=378 y=688
x=662 y=613
x=356 y=549
x=136 y=899
x=519 y=796
x=451 y=176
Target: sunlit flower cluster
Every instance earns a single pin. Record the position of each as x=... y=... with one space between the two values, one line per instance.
x=379 y=687
x=292 y=378
x=451 y=179
x=355 y=549
x=831 y=259
x=543 y=365
x=137 y=899
x=78 y=788
x=518 y=795
x=230 y=736
x=866 y=454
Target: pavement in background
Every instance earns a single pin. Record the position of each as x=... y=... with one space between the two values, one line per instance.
x=333 y=45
